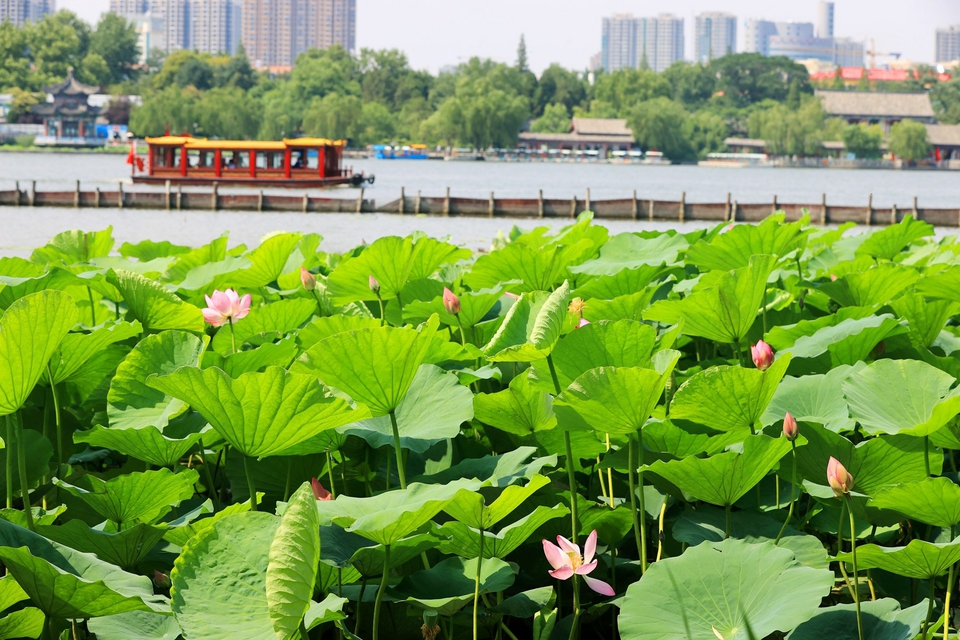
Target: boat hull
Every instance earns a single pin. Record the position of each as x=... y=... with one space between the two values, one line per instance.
x=272 y=183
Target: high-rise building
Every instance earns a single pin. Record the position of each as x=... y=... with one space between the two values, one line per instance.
x=653 y=43
x=215 y=26
x=948 y=44
x=619 y=43
x=825 y=19
x=275 y=32
x=19 y=12
x=715 y=36
x=803 y=41
x=338 y=24
x=668 y=39
x=756 y=36
x=129 y=7
x=176 y=16
x=151 y=33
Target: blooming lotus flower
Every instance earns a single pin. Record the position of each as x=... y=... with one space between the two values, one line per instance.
x=567 y=561
x=225 y=306
x=790 y=428
x=583 y=322
x=374 y=284
x=451 y=302
x=319 y=491
x=762 y=354
x=839 y=478
x=308 y=280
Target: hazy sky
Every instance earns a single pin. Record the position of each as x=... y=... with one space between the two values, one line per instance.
x=434 y=33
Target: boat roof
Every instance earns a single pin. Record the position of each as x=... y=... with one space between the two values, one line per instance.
x=258 y=145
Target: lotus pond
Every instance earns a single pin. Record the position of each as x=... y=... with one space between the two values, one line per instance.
x=744 y=432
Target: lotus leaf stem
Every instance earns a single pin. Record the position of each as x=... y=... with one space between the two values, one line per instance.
x=853 y=551
x=926 y=454
x=609 y=473
x=208 y=477
x=93 y=309
x=9 y=443
x=476 y=587
x=396 y=447
x=639 y=530
x=946 y=602
x=726 y=528
x=383 y=316
x=568 y=451
x=383 y=587
x=575 y=626
x=930 y=601
x=250 y=484
x=22 y=464
x=663 y=512
x=463 y=336
x=333 y=490
x=233 y=335
x=793 y=483
x=56 y=419
x=400 y=302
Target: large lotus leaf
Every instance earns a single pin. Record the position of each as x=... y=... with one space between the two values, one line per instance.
x=919 y=559
x=432 y=410
x=815 y=398
x=623 y=343
x=734 y=248
x=449 y=585
x=78 y=348
x=733 y=589
x=847 y=342
x=622 y=283
x=292 y=568
x=25 y=623
x=186 y=527
x=933 y=501
x=329 y=609
x=125 y=549
x=724 y=478
x=532 y=327
x=66 y=583
x=131 y=403
x=628 y=307
x=901 y=396
x=470 y=508
x=726 y=398
x=942 y=285
x=155 y=307
x=632 y=251
x=202 y=276
x=886 y=243
x=30 y=332
x=142 y=496
x=147 y=444
x=523 y=269
x=146 y=250
x=520 y=409
x=215 y=251
x=368 y=560
x=925 y=318
x=784 y=337
x=259 y=414
x=72 y=247
x=374 y=366
x=219 y=581
x=474 y=306
x=724 y=311
x=265 y=324
x=615 y=400
x=667 y=437
x=279 y=354
x=874 y=286
x=135 y=625
x=38 y=452
x=324 y=327
x=10 y=592
x=881 y=620
x=462 y=540
x=495 y=471
x=392 y=515
x=267 y=262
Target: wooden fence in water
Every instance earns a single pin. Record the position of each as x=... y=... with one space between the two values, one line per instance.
x=633 y=208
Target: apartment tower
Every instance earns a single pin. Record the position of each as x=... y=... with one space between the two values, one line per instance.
x=653 y=43
x=716 y=36
x=948 y=44
x=275 y=32
x=19 y=12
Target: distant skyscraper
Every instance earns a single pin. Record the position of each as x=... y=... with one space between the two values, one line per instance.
x=275 y=32
x=715 y=36
x=629 y=42
x=756 y=36
x=176 y=16
x=825 y=19
x=20 y=11
x=948 y=44
x=338 y=24
x=129 y=7
x=668 y=39
x=215 y=26
x=619 y=43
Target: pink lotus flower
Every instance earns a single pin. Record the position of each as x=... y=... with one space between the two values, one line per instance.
x=839 y=478
x=567 y=561
x=225 y=306
x=790 y=428
x=583 y=322
x=762 y=354
x=308 y=280
x=451 y=302
x=319 y=492
x=374 y=284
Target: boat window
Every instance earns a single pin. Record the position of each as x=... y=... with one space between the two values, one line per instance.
x=243 y=159
x=298 y=159
x=159 y=157
x=276 y=159
x=262 y=161
x=193 y=158
x=312 y=159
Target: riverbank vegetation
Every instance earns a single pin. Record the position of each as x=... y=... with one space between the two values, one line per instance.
x=685 y=112
x=744 y=431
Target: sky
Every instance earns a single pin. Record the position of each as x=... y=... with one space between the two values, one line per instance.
x=436 y=33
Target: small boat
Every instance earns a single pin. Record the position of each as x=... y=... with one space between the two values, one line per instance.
x=296 y=163
x=406 y=152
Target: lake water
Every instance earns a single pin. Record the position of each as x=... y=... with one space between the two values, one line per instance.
x=29 y=228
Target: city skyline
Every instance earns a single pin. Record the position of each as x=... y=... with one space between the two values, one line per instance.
x=435 y=34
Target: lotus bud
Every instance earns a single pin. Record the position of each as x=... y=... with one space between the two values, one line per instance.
x=374 y=285
x=583 y=322
x=431 y=624
x=162 y=580
x=319 y=491
x=451 y=302
x=790 y=428
x=762 y=354
x=839 y=478
x=308 y=280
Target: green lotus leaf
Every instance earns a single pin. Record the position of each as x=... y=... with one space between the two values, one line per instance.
x=147 y=444
x=31 y=330
x=320 y=328
x=10 y=592
x=667 y=437
x=532 y=327
x=182 y=530
x=474 y=306
x=38 y=452
x=941 y=285
x=783 y=337
x=847 y=342
x=72 y=247
x=724 y=478
x=875 y=286
x=628 y=307
x=215 y=251
x=292 y=568
x=259 y=414
x=734 y=248
x=724 y=311
x=733 y=589
x=470 y=508
x=375 y=367
x=622 y=283
x=495 y=471
x=79 y=348
x=267 y=262
x=919 y=559
x=885 y=244
x=525 y=604
x=146 y=250
x=933 y=501
x=135 y=625
x=131 y=402
x=329 y=609
x=434 y=407
x=815 y=398
x=520 y=409
x=459 y=539
x=727 y=398
x=882 y=620
x=523 y=269
x=632 y=251
x=279 y=354
x=153 y=305
x=369 y=560
x=125 y=549
x=925 y=318
x=143 y=496
x=265 y=324
x=454 y=579
x=25 y=623
x=219 y=581
x=901 y=396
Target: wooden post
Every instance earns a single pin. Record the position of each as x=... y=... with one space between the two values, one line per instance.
x=540 y=203
x=726 y=209
x=259 y=201
x=96 y=196
x=634 y=207
x=588 y=199
x=305 y=205
x=213 y=197
x=774 y=204
x=416 y=203
x=166 y=188
x=733 y=212
x=33 y=194
x=650 y=211
x=360 y=201
x=120 y=195
x=823 y=209
x=683 y=206
x=446 y=203
x=76 y=196
x=402 y=198
x=492 y=207
x=573 y=207
x=916 y=212
x=179 y=197
x=16 y=187
x=869 y=209
x=893 y=214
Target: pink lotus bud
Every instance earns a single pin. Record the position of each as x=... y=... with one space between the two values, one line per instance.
x=308 y=280
x=451 y=302
x=790 y=428
x=583 y=322
x=762 y=355
x=833 y=277
x=162 y=580
x=374 y=285
x=319 y=492
x=839 y=478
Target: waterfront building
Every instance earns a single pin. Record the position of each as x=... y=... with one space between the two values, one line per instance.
x=716 y=36
x=634 y=43
x=275 y=32
x=948 y=44
x=602 y=135
x=883 y=108
x=68 y=117
x=19 y=12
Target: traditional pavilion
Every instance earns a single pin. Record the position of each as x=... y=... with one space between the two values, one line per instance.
x=69 y=120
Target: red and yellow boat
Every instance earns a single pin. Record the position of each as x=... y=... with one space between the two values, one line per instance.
x=297 y=163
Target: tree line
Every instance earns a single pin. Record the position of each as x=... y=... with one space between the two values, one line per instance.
x=377 y=97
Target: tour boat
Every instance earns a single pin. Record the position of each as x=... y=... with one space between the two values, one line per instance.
x=297 y=163
x=406 y=152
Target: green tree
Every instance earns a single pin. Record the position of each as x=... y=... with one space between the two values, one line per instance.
x=863 y=141
x=23 y=101
x=555 y=119
x=908 y=139
x=522 y=64
x=691 y=84
x=318 y=73
x=282 y=114
x=625 y=88
x=661 y=124
x=334 y=116
x=788 y=132
x=115 y=41
x=747 y=78
x=706 y=133
x=56 y=43
x=383 y=72
x=237 y=72
x=558 y=85
x=227 y=112
x=95 y=70
x=377 y=124
x=445 y=125
x=945 y=97
x=173 y=108
x=195 y=72
x=14 y=60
